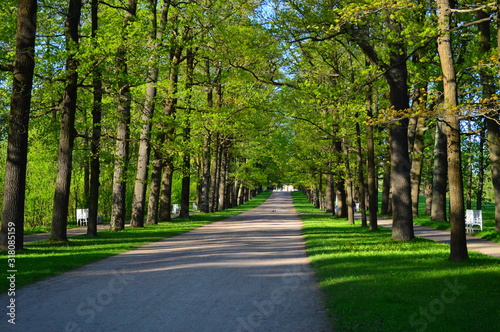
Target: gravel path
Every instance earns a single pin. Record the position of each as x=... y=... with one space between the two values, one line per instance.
x=246 y=273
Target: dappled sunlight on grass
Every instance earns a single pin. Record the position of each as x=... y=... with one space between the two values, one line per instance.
x=372 y=283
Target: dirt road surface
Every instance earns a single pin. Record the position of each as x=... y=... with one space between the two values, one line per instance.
x=247 y=273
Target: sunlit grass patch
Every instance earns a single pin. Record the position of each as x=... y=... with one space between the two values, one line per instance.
x=372 y=283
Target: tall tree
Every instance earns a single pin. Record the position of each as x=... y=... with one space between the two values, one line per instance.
x=439 y=183
x=140 y=186
x=95 y=167
x=118 y=212
x=458 y=245
x=67 y=133
x=20 y=105
x=396 y=75
x=493 y=126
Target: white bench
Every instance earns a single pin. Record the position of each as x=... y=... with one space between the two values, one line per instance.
x=82 y=216
x=473 y=220
x=175 y=208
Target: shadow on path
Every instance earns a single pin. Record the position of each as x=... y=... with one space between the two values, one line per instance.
x=249 y=272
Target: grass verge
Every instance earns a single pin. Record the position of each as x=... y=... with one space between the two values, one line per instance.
x=43 y=259
x=371 y=283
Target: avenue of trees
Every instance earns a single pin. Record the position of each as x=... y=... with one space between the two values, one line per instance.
x=128 y=106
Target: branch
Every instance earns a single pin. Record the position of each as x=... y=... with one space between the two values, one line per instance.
x=8 y=67
x=113 y=6
x=486 y=19
x=271 y=81
x=316 y=39
x=476 y=9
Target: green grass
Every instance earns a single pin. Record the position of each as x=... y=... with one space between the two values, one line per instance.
x=43 y=259
x=372 y=283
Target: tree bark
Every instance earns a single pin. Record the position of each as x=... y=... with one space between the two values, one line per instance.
x=140 y=185
x=417 y=161
x=186 y=155
x=67 y=133
x=348 y=184
x=118 y=212
x=361 y=177
x=17 y=146
x=95 y=143
x=458 y=243
x=205 y=191
x=330 y=192
x=428 y=197
x=155 y=189
x=439 y=181
x=480 y=175
x=386 y=191
x=493 y=121
x=166 y=190
x=396 y=75
x=372 y=172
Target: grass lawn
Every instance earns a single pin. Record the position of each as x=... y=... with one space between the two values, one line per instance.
x=43 y=259
x=372 y=283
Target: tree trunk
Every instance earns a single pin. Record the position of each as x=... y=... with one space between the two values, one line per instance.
x=396 y=75
x=458 y=243
x=118 y=212
x=186 y=154
x=205 y=191
x=361 y=177
x=402 y=222
x=493 y=127
x=494 y=140
x=480 y=175
x=17 y=148
x=428 y=197
x=140 y=185
x=386 y=191
x=330 y=192
x=417 y=162
x=372 y=172
x=223 y=178
x=166 y=190
x=67 y=132
x=348 y=184
x=438 y=210
x=214 y=189
x=155 y=189
x=95 y=143
x=470 y=174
